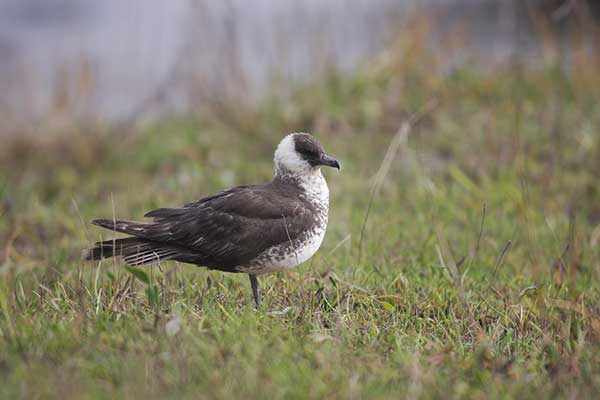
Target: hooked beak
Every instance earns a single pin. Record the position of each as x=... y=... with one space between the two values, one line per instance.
x=329 y=161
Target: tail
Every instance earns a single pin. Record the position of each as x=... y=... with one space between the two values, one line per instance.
x=133 y=250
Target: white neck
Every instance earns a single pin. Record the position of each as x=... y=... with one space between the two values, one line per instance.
x=316 y=187
x=291 y=168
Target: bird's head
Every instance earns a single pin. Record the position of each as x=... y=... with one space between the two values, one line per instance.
x=300 y=154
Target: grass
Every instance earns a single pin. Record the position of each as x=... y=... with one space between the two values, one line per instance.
x=478 y=269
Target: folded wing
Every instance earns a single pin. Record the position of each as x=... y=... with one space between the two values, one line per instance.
x=221 y=231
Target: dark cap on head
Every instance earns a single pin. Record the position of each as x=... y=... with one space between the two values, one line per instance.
x=312 y=151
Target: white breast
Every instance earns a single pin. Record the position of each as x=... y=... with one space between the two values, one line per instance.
x=284 y=256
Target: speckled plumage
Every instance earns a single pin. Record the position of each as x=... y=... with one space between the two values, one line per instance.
x=252 y=228
x=314 y=193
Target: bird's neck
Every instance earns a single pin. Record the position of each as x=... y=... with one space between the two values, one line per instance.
x=311 y=183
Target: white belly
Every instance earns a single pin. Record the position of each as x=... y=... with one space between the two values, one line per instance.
x=284 y=257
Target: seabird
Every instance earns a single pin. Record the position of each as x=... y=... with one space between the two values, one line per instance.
x=254 y=229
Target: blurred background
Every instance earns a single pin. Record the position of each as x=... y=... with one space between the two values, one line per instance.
x=465 y=266
x=72 y=62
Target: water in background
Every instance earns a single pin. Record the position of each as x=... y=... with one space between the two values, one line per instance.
x=114 y=61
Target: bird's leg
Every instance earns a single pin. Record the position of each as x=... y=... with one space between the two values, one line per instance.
x=254 y=284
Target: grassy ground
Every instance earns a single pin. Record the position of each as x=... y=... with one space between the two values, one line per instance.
x=476 y=276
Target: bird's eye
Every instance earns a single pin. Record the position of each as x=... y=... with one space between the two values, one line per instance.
x=307 y=149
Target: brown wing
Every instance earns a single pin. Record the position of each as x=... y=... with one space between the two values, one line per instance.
x=231 y=227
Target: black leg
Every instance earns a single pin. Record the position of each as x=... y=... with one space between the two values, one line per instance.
x=254 y=284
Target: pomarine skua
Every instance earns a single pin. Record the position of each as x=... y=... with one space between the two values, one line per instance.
x=254 y=229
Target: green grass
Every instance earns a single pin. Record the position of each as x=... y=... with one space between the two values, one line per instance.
x=424 y=307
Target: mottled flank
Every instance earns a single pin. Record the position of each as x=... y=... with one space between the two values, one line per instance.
x=315 y=194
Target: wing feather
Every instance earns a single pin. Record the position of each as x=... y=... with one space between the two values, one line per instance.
x=231 y=227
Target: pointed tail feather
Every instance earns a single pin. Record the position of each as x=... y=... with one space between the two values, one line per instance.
x=133 y=250
x=111 y=248
x=134 y=228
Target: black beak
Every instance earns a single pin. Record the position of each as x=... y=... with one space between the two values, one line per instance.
x=329 y=161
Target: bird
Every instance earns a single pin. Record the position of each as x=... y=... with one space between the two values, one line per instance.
x=252 y=229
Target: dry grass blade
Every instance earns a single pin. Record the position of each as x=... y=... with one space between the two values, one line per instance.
x=498 y=262
x=398 y=140
x=477 y=244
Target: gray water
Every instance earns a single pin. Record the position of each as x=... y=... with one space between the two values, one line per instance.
x=113 y=61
